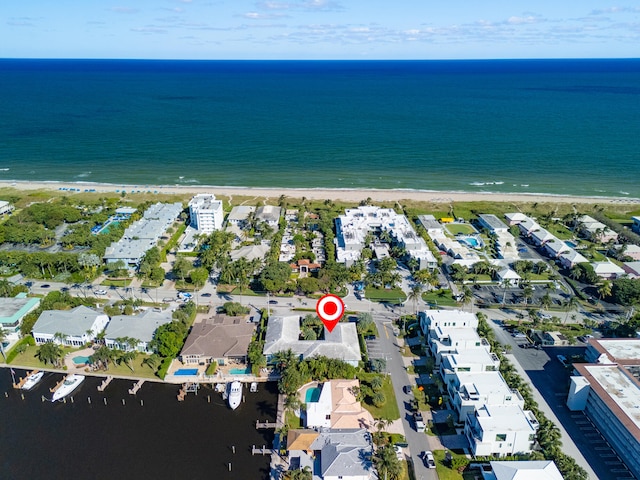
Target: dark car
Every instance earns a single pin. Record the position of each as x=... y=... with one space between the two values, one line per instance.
x=46 y=285
x=205 y=295
x=273 y=302
x=406 y=389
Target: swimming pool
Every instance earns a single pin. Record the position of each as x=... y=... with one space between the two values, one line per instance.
x=186 y=371
x=80 y=360
x=312 y=395
x=240 y=371
x=570 y=244
x=471 y=241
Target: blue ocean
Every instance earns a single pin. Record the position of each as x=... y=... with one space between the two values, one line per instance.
x=567 y=127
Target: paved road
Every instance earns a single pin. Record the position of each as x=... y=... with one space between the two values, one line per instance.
x=418 y=442
x=530 y=363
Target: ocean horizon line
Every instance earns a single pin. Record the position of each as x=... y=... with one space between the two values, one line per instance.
x=266 y=60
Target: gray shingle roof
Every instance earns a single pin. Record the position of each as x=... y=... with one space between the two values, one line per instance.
x=141 y=326
x=73 y=322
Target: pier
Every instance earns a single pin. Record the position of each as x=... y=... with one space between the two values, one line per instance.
x=263 y=425
x=260 y=451
x=22 y=381
x=53 y=389
x=136 y=386
x=186 y=388
x=105 y=383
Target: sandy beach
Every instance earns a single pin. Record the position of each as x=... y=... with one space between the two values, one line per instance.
x=346 y=195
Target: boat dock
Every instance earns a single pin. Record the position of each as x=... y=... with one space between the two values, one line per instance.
x=260 y=451
x=136 y=386
x=22 y=381
x=58 y=385
x=263 y=425
x=186 y=388
x=105 y=383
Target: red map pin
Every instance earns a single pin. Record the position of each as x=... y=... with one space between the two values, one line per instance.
x=330 y=309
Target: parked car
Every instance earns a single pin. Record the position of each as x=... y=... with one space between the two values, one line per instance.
x=100 y=292
x=428 y=459
x=398 y=450
x=544 y=316
x=419 y=422
x=406 y=389
x=562 y=359
x=273 y=302
x=45 y=285
x=206 y=294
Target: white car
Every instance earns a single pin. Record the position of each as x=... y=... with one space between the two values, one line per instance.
x=428 y=459
x=398 y=450
x=100 y=292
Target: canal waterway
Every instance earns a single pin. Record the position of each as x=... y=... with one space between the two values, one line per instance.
x=112 y=434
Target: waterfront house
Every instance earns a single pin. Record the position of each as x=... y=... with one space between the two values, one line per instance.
x=345 y=454
x=75 y=327
x=269 y=214
x=140 y=327
x=219 y=338
x=338 y=407
x=521 y=470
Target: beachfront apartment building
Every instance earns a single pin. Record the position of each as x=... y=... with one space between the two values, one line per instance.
x=607 y=390
x=446 y=318
x=594 y=230
x=206 y=214
x=75 y=327
x=501 y=430
x=140 y=327
x=476 y=360
x=492 y=223
x=469 y=391
x=353 y=227
x=636 y=224
x=5 y=207
x=143 y=234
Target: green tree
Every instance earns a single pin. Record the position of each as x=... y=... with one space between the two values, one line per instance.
x=199 y=277
x=49 y=352
x=387 y=463
x=415 y=294
x=275 y=276
x=181 y=268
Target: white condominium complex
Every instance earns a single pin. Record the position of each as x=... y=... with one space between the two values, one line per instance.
x=206 y=213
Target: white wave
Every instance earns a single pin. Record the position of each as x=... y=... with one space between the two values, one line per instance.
x=524 y=184
x=623 y=192
x=82 y=175
x=4 y=169
x=477 y=184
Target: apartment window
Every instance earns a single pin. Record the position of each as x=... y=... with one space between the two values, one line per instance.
x=501 y=437
x=508 y=398
x=464 y=369
x=477 y=344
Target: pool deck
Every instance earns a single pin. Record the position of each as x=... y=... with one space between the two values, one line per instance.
x=223 y=374
x=75 y=368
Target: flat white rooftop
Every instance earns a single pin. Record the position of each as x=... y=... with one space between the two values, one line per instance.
x=619 y=387
x=622 y=349
x=503 y=417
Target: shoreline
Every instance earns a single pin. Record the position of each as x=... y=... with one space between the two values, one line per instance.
x=319 y=193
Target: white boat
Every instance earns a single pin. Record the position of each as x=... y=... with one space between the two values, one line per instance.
x=254 y=387
x=69 y=385
x=32 y=380
x=235 y=394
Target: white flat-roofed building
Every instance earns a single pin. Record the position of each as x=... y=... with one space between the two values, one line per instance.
x=269 y=214
x=77 y=326
x=283 y=333
x=506 y=246
x=471 y=390
x=608 y=392
x=13 y=310
x=143 y=234
x=443 y=340
x=492 y=223
x=501 y=430
x=140 y=327
x=430 y=224
x=206 y=213
x=476 y=360
x=5 y=207
x=353 y=227
x=446 y=318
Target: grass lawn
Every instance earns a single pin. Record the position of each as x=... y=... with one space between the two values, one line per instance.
x=444 y=472
x=395 y=295
x=463 y=228
x=292 y=421
x=439 y=298
x=389 y=410
x=117 y=282
x=560 y=231
x=28 y=359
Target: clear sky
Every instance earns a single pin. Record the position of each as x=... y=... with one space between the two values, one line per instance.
x=319 y=29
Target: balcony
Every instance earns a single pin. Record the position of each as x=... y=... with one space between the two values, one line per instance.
x=532 y=419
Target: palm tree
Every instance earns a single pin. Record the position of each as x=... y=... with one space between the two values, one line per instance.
x=527 y=294
x=604 y=289
x=466 y=296
x=59 y=337
x=572 y=303
x=3 y=336
x=546 y=300
x=152 y=361
x=387 y=463
x=283 y=359
x=50 y=352
x=415 y=294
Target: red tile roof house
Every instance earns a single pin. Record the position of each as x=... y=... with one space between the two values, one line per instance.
x=304 y=267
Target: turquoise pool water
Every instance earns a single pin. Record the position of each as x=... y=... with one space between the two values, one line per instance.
x=570 y=244
x=312 y=395
x=80 y=360
x=473 y=242
x=105 y=229
x=186 y=371
x=240 y=371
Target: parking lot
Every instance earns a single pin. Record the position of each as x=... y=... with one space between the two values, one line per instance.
x=373 y=348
